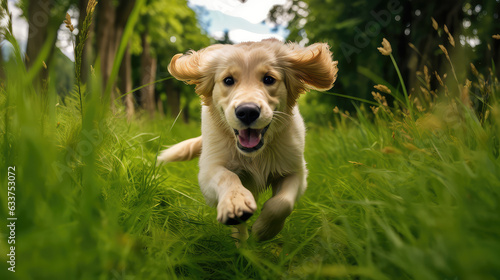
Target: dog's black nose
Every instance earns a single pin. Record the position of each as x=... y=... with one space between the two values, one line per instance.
x=247 y=113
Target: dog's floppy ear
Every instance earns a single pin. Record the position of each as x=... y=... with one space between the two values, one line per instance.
x=308 y=68
x=193 y=68
x=186 y=67
x=313 y=66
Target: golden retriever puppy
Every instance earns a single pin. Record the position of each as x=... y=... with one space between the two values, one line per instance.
x=252 y=132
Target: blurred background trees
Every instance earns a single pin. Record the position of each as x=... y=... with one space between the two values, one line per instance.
x=165 y=27
x=354 y=29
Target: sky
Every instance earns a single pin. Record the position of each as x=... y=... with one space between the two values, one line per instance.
x=243 y=21
x=19 y=25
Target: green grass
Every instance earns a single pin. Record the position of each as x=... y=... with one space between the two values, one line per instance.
x=92 y=205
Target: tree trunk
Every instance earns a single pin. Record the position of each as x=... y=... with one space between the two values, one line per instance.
x=111 y=23
x=185 y=113
x=125 y=83
x=173 y=99
x=39 y=22
x=105 y=39
x=148 y=75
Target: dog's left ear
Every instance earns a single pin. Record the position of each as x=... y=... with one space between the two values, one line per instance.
x=313 y=66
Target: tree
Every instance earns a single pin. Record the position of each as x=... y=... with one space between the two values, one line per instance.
x=111 y=20
x=125 y=82
x=167 y=27
x=148 y=74
x=354 y=30
x=44 y=18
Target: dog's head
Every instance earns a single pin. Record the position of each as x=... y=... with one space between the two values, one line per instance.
x=249 y=84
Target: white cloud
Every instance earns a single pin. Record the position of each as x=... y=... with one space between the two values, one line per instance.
x=240 y=35
x=254 y=11
x=218 y=35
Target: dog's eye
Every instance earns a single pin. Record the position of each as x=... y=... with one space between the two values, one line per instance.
x=268 y=80
x=229 y=81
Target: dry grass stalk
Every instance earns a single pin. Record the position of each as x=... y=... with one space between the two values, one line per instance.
x=451 y=64
x=382 y=88
x=390 y=150
x=452 y=41
x=426 y=93
x=444 y=51
x=450 y=38
x=434 y=24
x=386 y=47
x=379 y=98
x=464 y=96
x=440 y=80
x=427 y=77
x=68 y=23
x=91 y=6
x=337 y=111
x=474 y=70
x=412 y=46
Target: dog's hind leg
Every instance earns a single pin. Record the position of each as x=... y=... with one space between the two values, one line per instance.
x=274 y=212
x=185 y=150
x=240 y=234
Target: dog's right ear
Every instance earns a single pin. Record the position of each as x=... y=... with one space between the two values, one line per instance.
x=186 y=67
x=193 y=68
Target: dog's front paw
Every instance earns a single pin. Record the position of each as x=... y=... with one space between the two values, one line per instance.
x=236 y=206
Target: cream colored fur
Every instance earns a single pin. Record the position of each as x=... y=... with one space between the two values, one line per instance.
x=231 y=178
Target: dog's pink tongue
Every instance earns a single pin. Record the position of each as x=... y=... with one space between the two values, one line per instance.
x=249 y=138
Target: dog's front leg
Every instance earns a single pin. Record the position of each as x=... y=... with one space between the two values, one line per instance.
x=221 y=187
x=274 y=212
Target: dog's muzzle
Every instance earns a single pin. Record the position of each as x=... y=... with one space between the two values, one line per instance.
x=250 y=139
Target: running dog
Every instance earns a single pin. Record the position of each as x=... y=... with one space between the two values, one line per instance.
x=252 y=132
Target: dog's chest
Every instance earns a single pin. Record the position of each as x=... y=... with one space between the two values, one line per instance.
x=257 y=173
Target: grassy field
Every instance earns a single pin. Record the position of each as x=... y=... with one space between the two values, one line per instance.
x=386 y=200
x=399 y=194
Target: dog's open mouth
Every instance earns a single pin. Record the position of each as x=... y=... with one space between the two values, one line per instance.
x=250 y=139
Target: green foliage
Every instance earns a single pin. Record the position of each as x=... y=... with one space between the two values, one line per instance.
x=355 y=28
x=386 y=200
x=171 y=27
x=165 y=20
x=406 y=200
x=62 y=73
